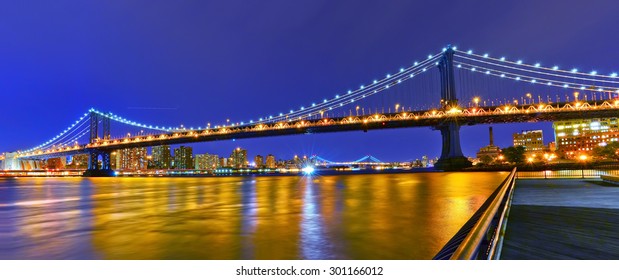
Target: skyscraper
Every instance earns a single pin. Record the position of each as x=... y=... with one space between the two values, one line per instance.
x=259 y=161
x=270 y=163
x=206 y=162
x=131 y=159
x=239 y=158
x=183 y=158
x=162 y=159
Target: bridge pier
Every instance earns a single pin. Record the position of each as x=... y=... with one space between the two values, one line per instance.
x=93 y=164
x=451 y=154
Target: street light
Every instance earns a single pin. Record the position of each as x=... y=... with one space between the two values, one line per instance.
x=530 y=97
x=396 y=107
x=576 y=95
x=583 y=159
x=357 y=108
x=476 y=101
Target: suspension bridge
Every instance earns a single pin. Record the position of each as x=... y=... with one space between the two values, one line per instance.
x=445 y=91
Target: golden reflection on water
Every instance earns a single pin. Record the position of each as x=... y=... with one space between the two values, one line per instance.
x=378 y=216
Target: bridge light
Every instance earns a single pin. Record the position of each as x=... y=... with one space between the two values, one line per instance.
x=416 y=63
x=362 y=87
x=503 y=58
x=388 y=75
x=429 y=56
x=470 y=52
x=565 y=85
x=594 y=72
x=473 y=69
x=424 y=69
x=324 y=101
x=444 y=49
x=459 y=65
x=487 y=72
x=401 y=69
x=349 y=92
x=411 y=76
x=399 y=81
x=533 y=81
x=485 y=55
x=582 y=88
x=337 y=96
x=519 y=62
x=517 y=78
x=537 y=65
x=375 y=81
x=302 y=108
x=502 y=75
x=291 y=111
x=574 y=70
x=555 y=67
x=613 y=75
x=549 y=83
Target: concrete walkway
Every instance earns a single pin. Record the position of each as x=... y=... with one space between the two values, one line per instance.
x=563 y=219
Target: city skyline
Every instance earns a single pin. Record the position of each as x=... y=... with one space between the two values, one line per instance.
x=74 y=69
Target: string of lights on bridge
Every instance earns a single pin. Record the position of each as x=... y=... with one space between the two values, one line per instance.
x=464 y=60
x=481 y=64
x=351 y=96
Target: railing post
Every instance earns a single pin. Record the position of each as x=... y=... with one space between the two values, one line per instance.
x=582 y=172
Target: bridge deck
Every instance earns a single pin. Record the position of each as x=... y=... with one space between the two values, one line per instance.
x=563 y=219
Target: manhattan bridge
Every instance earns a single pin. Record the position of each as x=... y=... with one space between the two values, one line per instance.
x=444 y=91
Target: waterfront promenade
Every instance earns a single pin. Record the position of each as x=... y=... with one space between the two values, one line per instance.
x=563 y=219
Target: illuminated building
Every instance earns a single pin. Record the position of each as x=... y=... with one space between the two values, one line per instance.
x=259 y=161
x=223 y=162
x=113 y=160
x=131 y=159
x=424 y=161
x=162 y=159
x=577 y=137
x=206 y=162
x=531 y=140
x=183 y=158
x=552 y=146
x=79 y=161
x=270 y=162
x=238 y=158
x=491 y=152
x=296 y=160
x=55 y=163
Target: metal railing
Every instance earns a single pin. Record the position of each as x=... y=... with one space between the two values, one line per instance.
x=481 y=237
x=572 y=173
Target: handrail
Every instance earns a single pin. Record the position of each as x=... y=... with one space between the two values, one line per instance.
x=482 y=236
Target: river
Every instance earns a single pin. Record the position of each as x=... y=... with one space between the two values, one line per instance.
x=374 y=216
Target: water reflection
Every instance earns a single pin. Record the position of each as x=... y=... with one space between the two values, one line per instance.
x=388 y=216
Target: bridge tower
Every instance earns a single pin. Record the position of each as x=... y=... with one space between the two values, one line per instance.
x=93 y=154
x=451 y=154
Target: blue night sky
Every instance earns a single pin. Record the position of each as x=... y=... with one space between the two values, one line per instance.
x=193 y=62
